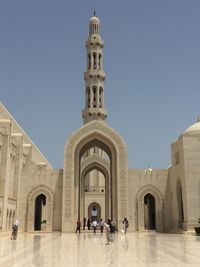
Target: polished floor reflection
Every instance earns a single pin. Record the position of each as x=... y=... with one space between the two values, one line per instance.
x=84 y=250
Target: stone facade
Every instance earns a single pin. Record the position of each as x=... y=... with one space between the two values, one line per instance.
x=95 y=175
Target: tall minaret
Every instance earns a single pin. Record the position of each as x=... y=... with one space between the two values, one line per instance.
x=94 y=76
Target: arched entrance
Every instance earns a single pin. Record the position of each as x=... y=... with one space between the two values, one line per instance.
x=94 y=212
x=149 y=212
x=97 y=152
x=40 y=209
x=149 y=208
x=94 y=135
x=95 y=185
x=40 y=203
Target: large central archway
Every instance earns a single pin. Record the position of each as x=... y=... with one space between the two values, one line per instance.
x=98 y=163
x=94 y=134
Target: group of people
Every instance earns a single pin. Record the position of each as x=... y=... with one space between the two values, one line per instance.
x=94 y=225
x=90 y=224
x=109 y=226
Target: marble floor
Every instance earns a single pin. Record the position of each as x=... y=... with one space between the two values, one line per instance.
x=86 y=250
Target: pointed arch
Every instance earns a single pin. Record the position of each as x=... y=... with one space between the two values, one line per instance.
x=94 y=93
x=97 y=163
x=42 y=189
x=94 y=133
x=98 y=207
x=100 y=61
x=156 y=193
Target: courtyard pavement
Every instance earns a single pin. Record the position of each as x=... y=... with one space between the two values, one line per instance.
x=89 y=250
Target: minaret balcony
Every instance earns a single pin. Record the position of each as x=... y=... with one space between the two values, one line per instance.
x=94 y=40
x=94 y=74
x=90 y=114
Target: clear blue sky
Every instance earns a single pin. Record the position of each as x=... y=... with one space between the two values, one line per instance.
x=151 y=60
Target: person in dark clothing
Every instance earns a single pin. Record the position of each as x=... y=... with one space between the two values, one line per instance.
x=113 y=223
x=126 y=225
x=110 y=226
x=101 y=224
x=78 y=226
x=84 y=223
x=88 y=224
x=14 y=231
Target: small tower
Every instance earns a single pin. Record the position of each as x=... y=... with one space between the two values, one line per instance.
x=94 y=76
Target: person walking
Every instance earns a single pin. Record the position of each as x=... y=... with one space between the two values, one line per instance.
x=78 y=226
x=108 y=233
x=113 y=225
x=15 y=230
x=94 y=224
x=110 y=225
x=101 y=224
x=88 y=224
x=126 y=225
x=84 y=223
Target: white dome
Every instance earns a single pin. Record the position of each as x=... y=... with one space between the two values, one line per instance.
x=95 y=20
x=193 y=128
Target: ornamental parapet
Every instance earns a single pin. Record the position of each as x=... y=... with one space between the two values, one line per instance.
x=95 y=75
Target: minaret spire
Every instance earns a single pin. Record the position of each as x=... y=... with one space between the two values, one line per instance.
x=94 y=76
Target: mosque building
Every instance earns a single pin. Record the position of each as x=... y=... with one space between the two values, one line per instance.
x=95 y=180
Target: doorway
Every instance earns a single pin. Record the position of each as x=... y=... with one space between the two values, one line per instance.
x=149 y=212
x=94 y=212
x=40 y=203
x=180 y=205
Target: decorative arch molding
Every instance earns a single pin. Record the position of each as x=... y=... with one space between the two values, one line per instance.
x=35 y=192
x=115 y=147
x=96 y=165
x=95 y=161
x=156 y=193
x=95 y=158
